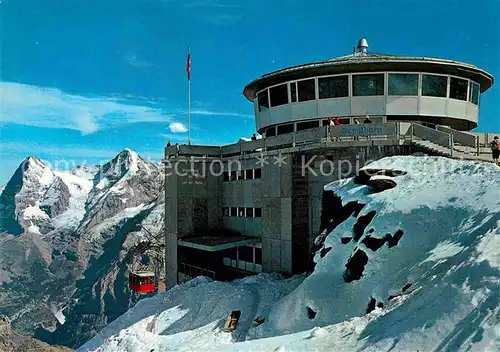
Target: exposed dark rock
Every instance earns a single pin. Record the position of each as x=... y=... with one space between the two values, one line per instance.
x=394 y=240
x=311 y=314
x=363 y=221
x=324 y=251
x=371 y=305
x=345 y=240
x=380 y=305
x=355 y=266
x=373 y=243
x=380 y=185
x=376 y=243
x=333 y=214
x=406 y=287
x=364 y=175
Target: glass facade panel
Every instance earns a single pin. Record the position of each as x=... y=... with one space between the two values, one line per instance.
x=368 y=85
x=458 y=88
x=434 y=86
x=474 y=93
x=271 y=132
x=307 y=90
x=258 y=212
x=333 y=87
x=249 y=213
x=263 y=100
x=307 y=125
x=257 y=173
x=279 y=95
x=403 y=84
x=282 y=129
x=245 y=253
x=293 y=92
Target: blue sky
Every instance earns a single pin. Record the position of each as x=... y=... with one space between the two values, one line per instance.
x=82 y=79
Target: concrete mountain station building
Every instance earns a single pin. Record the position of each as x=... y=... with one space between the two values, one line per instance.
x=255 y=206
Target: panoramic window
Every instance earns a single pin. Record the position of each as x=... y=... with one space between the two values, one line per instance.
x=458 y=88
x=258 y=255
x=403 y=84
x=233 y=211
x=307 y=125
x=474 y=93
x=293 y=92
x=282 y=129
x=258 y=212
x=263 y=100
x=368 y=85
x=333 y=87
x=271 y=132
x=249 y=213
x=279 y=95
x=307 y=90
x=434 y=86
x=257 y=173
x=245 y=253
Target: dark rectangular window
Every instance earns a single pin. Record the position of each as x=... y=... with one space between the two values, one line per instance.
x=258 y=255
x=233 y=211
x=279 y=95
x=230 y=253
x=368 y=85
x=225 y=211
x=434 y=86
x=333 y=87
x=239 y=174
x=245 y=253
x=293 y=92
x=257 y=173
x=271 y=132
x=241 y=211
x=258 y=212
x=307 y=125
x=403 y=84
x=225 y=176
x=249 y=174
x=474 y=93
x=263 y=100
x=233 y=176
x=458 y=88
x=282 y=129
x=307 y=90
x=249 y=213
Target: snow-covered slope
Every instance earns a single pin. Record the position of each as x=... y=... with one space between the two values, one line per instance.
x=415 y=267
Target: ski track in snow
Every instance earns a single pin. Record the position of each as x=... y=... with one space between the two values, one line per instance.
x=449 y=212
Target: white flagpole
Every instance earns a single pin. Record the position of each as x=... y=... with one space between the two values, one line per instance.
x=189 y=98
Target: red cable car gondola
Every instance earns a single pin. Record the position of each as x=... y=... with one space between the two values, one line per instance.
x=141 y=281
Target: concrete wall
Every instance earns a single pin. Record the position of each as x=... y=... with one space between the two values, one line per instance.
x=288 y=193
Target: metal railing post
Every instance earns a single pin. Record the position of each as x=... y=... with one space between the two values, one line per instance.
x=451 y=143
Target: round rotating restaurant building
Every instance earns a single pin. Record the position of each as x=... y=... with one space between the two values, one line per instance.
x=385 y=87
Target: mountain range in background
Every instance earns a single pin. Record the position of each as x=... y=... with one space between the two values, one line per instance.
x=65 y=243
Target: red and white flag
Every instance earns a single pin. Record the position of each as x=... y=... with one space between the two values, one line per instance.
x=188 y=65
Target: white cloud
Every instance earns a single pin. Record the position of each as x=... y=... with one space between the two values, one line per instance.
x=214 y=113
x=177 y=127
x=135 y=61
x=53 y=108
